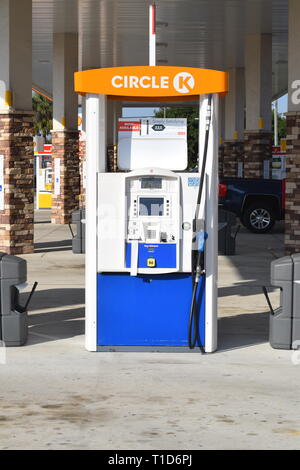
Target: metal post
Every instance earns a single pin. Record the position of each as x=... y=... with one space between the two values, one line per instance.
x=95 y=163
x=276 y=123
x=210 y=213
x=152 y=35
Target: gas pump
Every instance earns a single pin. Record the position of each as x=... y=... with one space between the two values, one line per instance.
x=151 y=230
x=158 y=237
x=44 y=188
x=43 y=174
x=144 y=259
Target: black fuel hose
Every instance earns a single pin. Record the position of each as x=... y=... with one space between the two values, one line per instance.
x=198 y=256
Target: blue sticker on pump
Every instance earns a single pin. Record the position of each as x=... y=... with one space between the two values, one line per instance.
x=201 y=237
x=193 y=181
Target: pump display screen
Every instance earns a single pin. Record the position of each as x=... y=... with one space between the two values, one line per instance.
x=151 y=206
x=151 y=183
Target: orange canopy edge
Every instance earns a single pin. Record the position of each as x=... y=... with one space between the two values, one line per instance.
x=151 y=83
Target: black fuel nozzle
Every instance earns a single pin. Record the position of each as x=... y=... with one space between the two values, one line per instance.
x=198 y=273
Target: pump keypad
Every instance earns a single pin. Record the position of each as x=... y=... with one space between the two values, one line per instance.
x=153 y=221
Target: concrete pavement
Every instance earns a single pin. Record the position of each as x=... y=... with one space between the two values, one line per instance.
x=56 y=395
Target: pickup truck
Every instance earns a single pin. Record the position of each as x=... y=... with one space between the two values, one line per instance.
x=257 y=202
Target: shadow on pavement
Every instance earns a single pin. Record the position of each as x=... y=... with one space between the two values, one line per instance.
x=237 y=331
x=42 y=221
x=53 y=326
x=234 y=332
x=59 y=245
x=243 y=330
x=53 y=298
x=58 y=324
x=244 y=289
x=254 y=254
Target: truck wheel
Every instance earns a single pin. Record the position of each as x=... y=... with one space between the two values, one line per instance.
x=259 y=217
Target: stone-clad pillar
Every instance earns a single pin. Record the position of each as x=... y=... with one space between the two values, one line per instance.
x=257 y=149
x=233 y=154
x=16 y=128
x=114 y=111
x=66 y=145
x=82 y=168
x=16 y=218
x=292 y=203
x=234 y=122
x=82 y=153
x=112 y=157
x=258 y=77
x=65 y=134
x=292 y=200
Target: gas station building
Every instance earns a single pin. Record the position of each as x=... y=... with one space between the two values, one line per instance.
x=42 y=44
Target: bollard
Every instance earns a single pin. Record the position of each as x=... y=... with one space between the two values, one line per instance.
x=285 y=320
x=13 y=316
x=78 y=241
x=226 y=239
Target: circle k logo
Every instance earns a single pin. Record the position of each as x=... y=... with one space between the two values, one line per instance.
x=183 y=82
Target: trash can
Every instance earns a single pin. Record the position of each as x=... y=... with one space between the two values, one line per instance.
x=13 y=324
x=285 y=320
x=78 y=241
x=227 y=232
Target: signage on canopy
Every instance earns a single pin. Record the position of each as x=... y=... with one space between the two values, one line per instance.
x=151 y=82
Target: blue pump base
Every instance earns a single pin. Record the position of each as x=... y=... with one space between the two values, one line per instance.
x=157 y=349
x=147 y=312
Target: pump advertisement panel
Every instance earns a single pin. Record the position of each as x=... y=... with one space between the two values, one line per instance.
x=160 y=142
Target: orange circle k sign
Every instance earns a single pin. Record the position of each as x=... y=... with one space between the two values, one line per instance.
x=151 y=82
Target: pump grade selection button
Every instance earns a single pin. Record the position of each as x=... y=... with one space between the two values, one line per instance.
x=151 y=262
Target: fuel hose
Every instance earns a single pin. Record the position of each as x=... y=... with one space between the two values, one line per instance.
x=199 y=237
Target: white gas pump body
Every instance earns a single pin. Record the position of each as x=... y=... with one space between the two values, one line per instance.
x=123 y=222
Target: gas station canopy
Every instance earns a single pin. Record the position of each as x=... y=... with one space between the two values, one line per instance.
x=190 y=33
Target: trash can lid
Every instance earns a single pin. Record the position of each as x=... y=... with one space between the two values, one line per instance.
x=13 y=267
x=296 y=261
x=282 y=269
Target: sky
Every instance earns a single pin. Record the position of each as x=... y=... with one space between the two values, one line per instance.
x=138 y=112
x=147 y=112
x=283 y=104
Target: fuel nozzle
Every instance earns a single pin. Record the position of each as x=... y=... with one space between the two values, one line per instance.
x=201 y=238
x=199 y=272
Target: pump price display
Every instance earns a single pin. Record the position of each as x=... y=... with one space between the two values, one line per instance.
x=151 y=183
